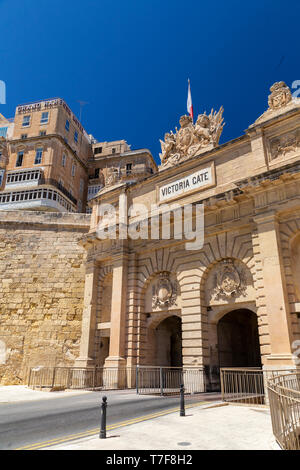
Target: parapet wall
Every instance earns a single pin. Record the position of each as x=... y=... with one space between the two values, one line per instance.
x=42 y=286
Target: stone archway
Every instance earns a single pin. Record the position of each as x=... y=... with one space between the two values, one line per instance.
x=238 y=339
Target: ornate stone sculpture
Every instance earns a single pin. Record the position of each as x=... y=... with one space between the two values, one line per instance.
x=279 y=101
x=229 y=281
x=282 y=145
x=191 y=139
x=111 y=179
x=280 y=95
x=164 y=292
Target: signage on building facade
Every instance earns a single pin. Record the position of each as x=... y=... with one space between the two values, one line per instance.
x=46 y=104
x=199 y=179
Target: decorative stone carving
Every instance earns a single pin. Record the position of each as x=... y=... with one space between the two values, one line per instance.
x=191 y=139
x=229 y=282
x=111 y=179
x=282 y=145
x=164 y=292
x=280 y=95
x=280 y=100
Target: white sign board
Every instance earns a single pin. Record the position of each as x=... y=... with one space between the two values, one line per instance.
x=188 y=183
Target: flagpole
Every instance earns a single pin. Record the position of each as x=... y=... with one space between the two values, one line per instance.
x=191 y=104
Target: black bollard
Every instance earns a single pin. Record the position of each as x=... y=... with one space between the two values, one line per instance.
x=182 y=410
x=103 y=418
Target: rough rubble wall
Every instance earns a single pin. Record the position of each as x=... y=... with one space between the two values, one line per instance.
x=42 y=287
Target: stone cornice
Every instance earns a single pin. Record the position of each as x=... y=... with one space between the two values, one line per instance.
x=270 y=175
x=52 y=220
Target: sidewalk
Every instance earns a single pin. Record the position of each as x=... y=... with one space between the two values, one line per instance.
x=203 y=428
x=18 y=393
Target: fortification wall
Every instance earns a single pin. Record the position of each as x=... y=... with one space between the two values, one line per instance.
x=41 y=290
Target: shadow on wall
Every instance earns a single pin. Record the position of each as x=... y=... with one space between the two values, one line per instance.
x=2 y=352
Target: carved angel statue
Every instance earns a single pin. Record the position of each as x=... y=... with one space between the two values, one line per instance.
x=167 y=146
x=191 y=139
x=111 y=178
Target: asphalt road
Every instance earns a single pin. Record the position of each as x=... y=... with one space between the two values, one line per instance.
x=33 y=422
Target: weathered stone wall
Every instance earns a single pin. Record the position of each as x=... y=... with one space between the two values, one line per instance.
x=42 y=285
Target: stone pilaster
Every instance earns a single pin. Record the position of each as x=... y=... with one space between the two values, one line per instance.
x=194 y=330
x=131 y=324
x=272 y=300
x=116 y=356
x=87 y=343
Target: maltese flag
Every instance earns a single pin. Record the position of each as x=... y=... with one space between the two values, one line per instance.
x=189 y=102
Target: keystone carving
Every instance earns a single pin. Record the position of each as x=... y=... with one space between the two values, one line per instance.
x=229 y=282
x=164 y=292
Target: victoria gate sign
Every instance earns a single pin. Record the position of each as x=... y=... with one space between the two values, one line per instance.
x=200 y=179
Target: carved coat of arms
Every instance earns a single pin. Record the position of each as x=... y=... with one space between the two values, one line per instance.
x=164 y=292
x=229 y=281
x=280 y=95
x=191 y=138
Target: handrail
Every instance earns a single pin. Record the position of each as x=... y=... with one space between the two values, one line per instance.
x=285 y=409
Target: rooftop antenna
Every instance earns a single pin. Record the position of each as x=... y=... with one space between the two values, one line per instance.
x=81 y=104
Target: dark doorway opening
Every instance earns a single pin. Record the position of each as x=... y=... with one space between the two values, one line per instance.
x=169 y=343
x=238 y=340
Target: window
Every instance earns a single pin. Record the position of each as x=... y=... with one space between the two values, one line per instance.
x=98 y=150
x=113 y=150
x=45 y=117
x=19 y=161
x=38 y=156
x=3 y=131
x=128 y=168
x=81 y=186
x=67 y=125
x=97 y=172
x=63 y=160
x=26 y=121
x=1 y=176
x=76 y=136
x=42 y=133
x=73 y=169
x=23 y=136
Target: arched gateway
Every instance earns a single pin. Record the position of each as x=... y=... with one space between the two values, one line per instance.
x=238 y=339
x=233 y=293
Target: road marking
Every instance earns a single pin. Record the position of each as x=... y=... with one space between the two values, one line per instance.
x=91 y=432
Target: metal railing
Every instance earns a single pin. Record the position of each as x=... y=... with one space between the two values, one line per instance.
x=243 y=385
x=247 y=385
x=284 y=400
x=59 y=186
x=82 y=378
x=167 y=380
x=146 y=380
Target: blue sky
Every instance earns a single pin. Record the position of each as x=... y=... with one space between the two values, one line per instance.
x=130 y=60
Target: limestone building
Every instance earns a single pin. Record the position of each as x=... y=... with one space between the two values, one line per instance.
x=233 y=302
x=51 y=163
x=127 y=300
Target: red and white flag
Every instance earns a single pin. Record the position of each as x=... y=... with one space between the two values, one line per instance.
x=189 y=102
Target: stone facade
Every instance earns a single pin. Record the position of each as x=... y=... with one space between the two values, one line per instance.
x=154 y=301
x=42 y=286
x=49 y=162
x=237 y=297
